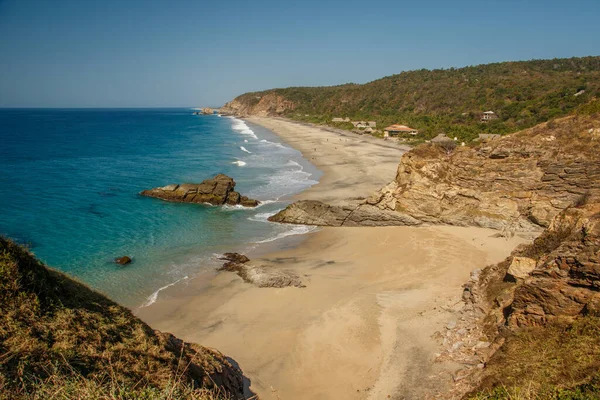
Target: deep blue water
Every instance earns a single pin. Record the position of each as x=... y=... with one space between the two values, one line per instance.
x=69 y=184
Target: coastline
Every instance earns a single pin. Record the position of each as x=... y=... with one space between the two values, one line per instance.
x=363 y=326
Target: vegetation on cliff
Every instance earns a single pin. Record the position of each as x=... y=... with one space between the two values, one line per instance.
x=548 y=320
x=59 y=339
x=450 y=101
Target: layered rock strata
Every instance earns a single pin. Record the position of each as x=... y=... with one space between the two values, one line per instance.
x=516 y=183
x=216 y=191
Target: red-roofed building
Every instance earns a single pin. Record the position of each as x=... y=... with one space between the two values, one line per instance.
x=394 y=130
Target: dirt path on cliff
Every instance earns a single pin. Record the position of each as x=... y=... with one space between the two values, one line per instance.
x=353 y=166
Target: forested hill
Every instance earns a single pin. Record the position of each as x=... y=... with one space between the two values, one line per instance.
x=522 y=94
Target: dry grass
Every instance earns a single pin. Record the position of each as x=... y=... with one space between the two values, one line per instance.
x=60 y=339
x=552 y=362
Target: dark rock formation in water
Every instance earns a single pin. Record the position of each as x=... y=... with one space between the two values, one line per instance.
x=123 y=260
x=216 y=191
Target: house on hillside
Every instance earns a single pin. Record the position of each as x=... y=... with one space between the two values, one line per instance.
x=341 y=119
x=395 y=130
x=360 y=124
x=488 y=116
x=372 y=124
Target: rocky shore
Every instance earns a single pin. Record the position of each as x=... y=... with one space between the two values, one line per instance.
x=517 y=183
x=216 y=191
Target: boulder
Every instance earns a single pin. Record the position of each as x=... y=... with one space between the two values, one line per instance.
x=521 y=267
x=123 y=260
x=216 y=191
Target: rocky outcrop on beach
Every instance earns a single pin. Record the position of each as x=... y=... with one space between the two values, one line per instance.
x=516 y=183
x=312 y=212
x=553 y=281
x=561 y=278
x=267 y=105
x=263 y=276
x=216 y=191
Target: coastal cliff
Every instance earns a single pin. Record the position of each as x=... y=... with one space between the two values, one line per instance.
x=60 y=339
x=530 y=325
x=267 y=105
x=517 y=183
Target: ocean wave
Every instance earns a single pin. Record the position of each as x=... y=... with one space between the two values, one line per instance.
x=264 y=217
x=154 y=296
x=239 y=163
x=296 y=230
x=267 y=142
x=245 y=149
x=241 y=127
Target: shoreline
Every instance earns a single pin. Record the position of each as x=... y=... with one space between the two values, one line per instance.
x=374 y=297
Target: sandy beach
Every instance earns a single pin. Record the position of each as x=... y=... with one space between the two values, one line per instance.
x=363 y=325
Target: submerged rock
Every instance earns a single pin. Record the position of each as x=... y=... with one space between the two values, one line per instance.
x=216 y=191
x=123 y=260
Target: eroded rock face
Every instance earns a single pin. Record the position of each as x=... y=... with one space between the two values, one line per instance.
x=566 y=281
x=263 y=276
x=216 y=191
x=266 y=105
x=517 y=183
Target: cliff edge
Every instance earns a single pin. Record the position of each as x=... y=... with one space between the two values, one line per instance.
x=60 y=339
x=516 y=183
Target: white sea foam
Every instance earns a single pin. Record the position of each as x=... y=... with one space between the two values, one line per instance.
x=245 y=140
x=241 y=127
x=245 y=149
x=154 y=296
x=263 y=217
x=239 y=163
x=267 y=142
x=296 y=230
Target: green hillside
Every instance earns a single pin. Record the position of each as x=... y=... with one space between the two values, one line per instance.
x=451 y=101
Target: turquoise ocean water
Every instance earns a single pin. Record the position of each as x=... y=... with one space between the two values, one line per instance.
x=69 y=184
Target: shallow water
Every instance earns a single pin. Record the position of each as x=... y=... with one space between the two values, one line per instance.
x=69 y=184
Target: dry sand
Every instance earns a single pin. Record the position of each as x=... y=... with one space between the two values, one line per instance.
x=362 y=326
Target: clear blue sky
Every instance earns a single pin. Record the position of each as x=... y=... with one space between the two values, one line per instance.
x=134 y=53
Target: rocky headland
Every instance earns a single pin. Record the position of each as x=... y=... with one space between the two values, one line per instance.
x=260 y=105
x=517 y=183
x=216 y=191
x=543 y=182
